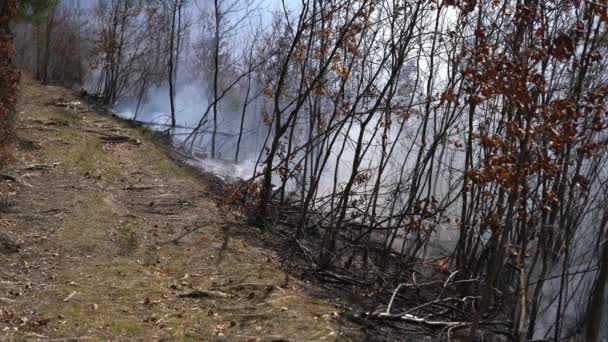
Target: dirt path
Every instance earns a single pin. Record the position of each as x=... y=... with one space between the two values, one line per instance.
x=94 y=214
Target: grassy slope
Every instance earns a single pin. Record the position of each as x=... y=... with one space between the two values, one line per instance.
x=92 y=218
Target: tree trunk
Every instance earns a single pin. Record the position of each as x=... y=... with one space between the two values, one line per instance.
x=596 y=299
x=238 y=143
x=47 y=44
x=171 y=53
x=216 y=62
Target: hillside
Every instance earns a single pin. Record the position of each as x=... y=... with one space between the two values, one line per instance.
x=114 y=241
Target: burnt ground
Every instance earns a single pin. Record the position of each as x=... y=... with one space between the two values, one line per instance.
x=114 y=241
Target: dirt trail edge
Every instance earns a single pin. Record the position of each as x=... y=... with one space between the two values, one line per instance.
x=93 y=206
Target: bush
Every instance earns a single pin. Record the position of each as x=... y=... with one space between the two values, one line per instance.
x=9 y=78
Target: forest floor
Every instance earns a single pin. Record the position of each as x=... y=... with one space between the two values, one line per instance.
x=117 y=242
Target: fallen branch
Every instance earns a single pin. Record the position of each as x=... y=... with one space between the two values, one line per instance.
x=6 y=300
x=118 y=139
x=143 y=187
x=417 y=320
x=205 y=294
x=268 y=287
x=160 y=212
x=40 y=167
x=14 y=179
x=114 y=138
x=194 y=230
x=437 y=301
x=338 y=278
x=74 y=105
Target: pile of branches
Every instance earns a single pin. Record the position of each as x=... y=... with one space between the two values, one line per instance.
x=380 y=288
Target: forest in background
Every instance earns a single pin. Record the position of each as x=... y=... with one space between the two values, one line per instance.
x=470 y=135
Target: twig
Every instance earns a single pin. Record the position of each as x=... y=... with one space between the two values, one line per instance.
x=390 y=303
x=70 y=296
x=449 y=278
